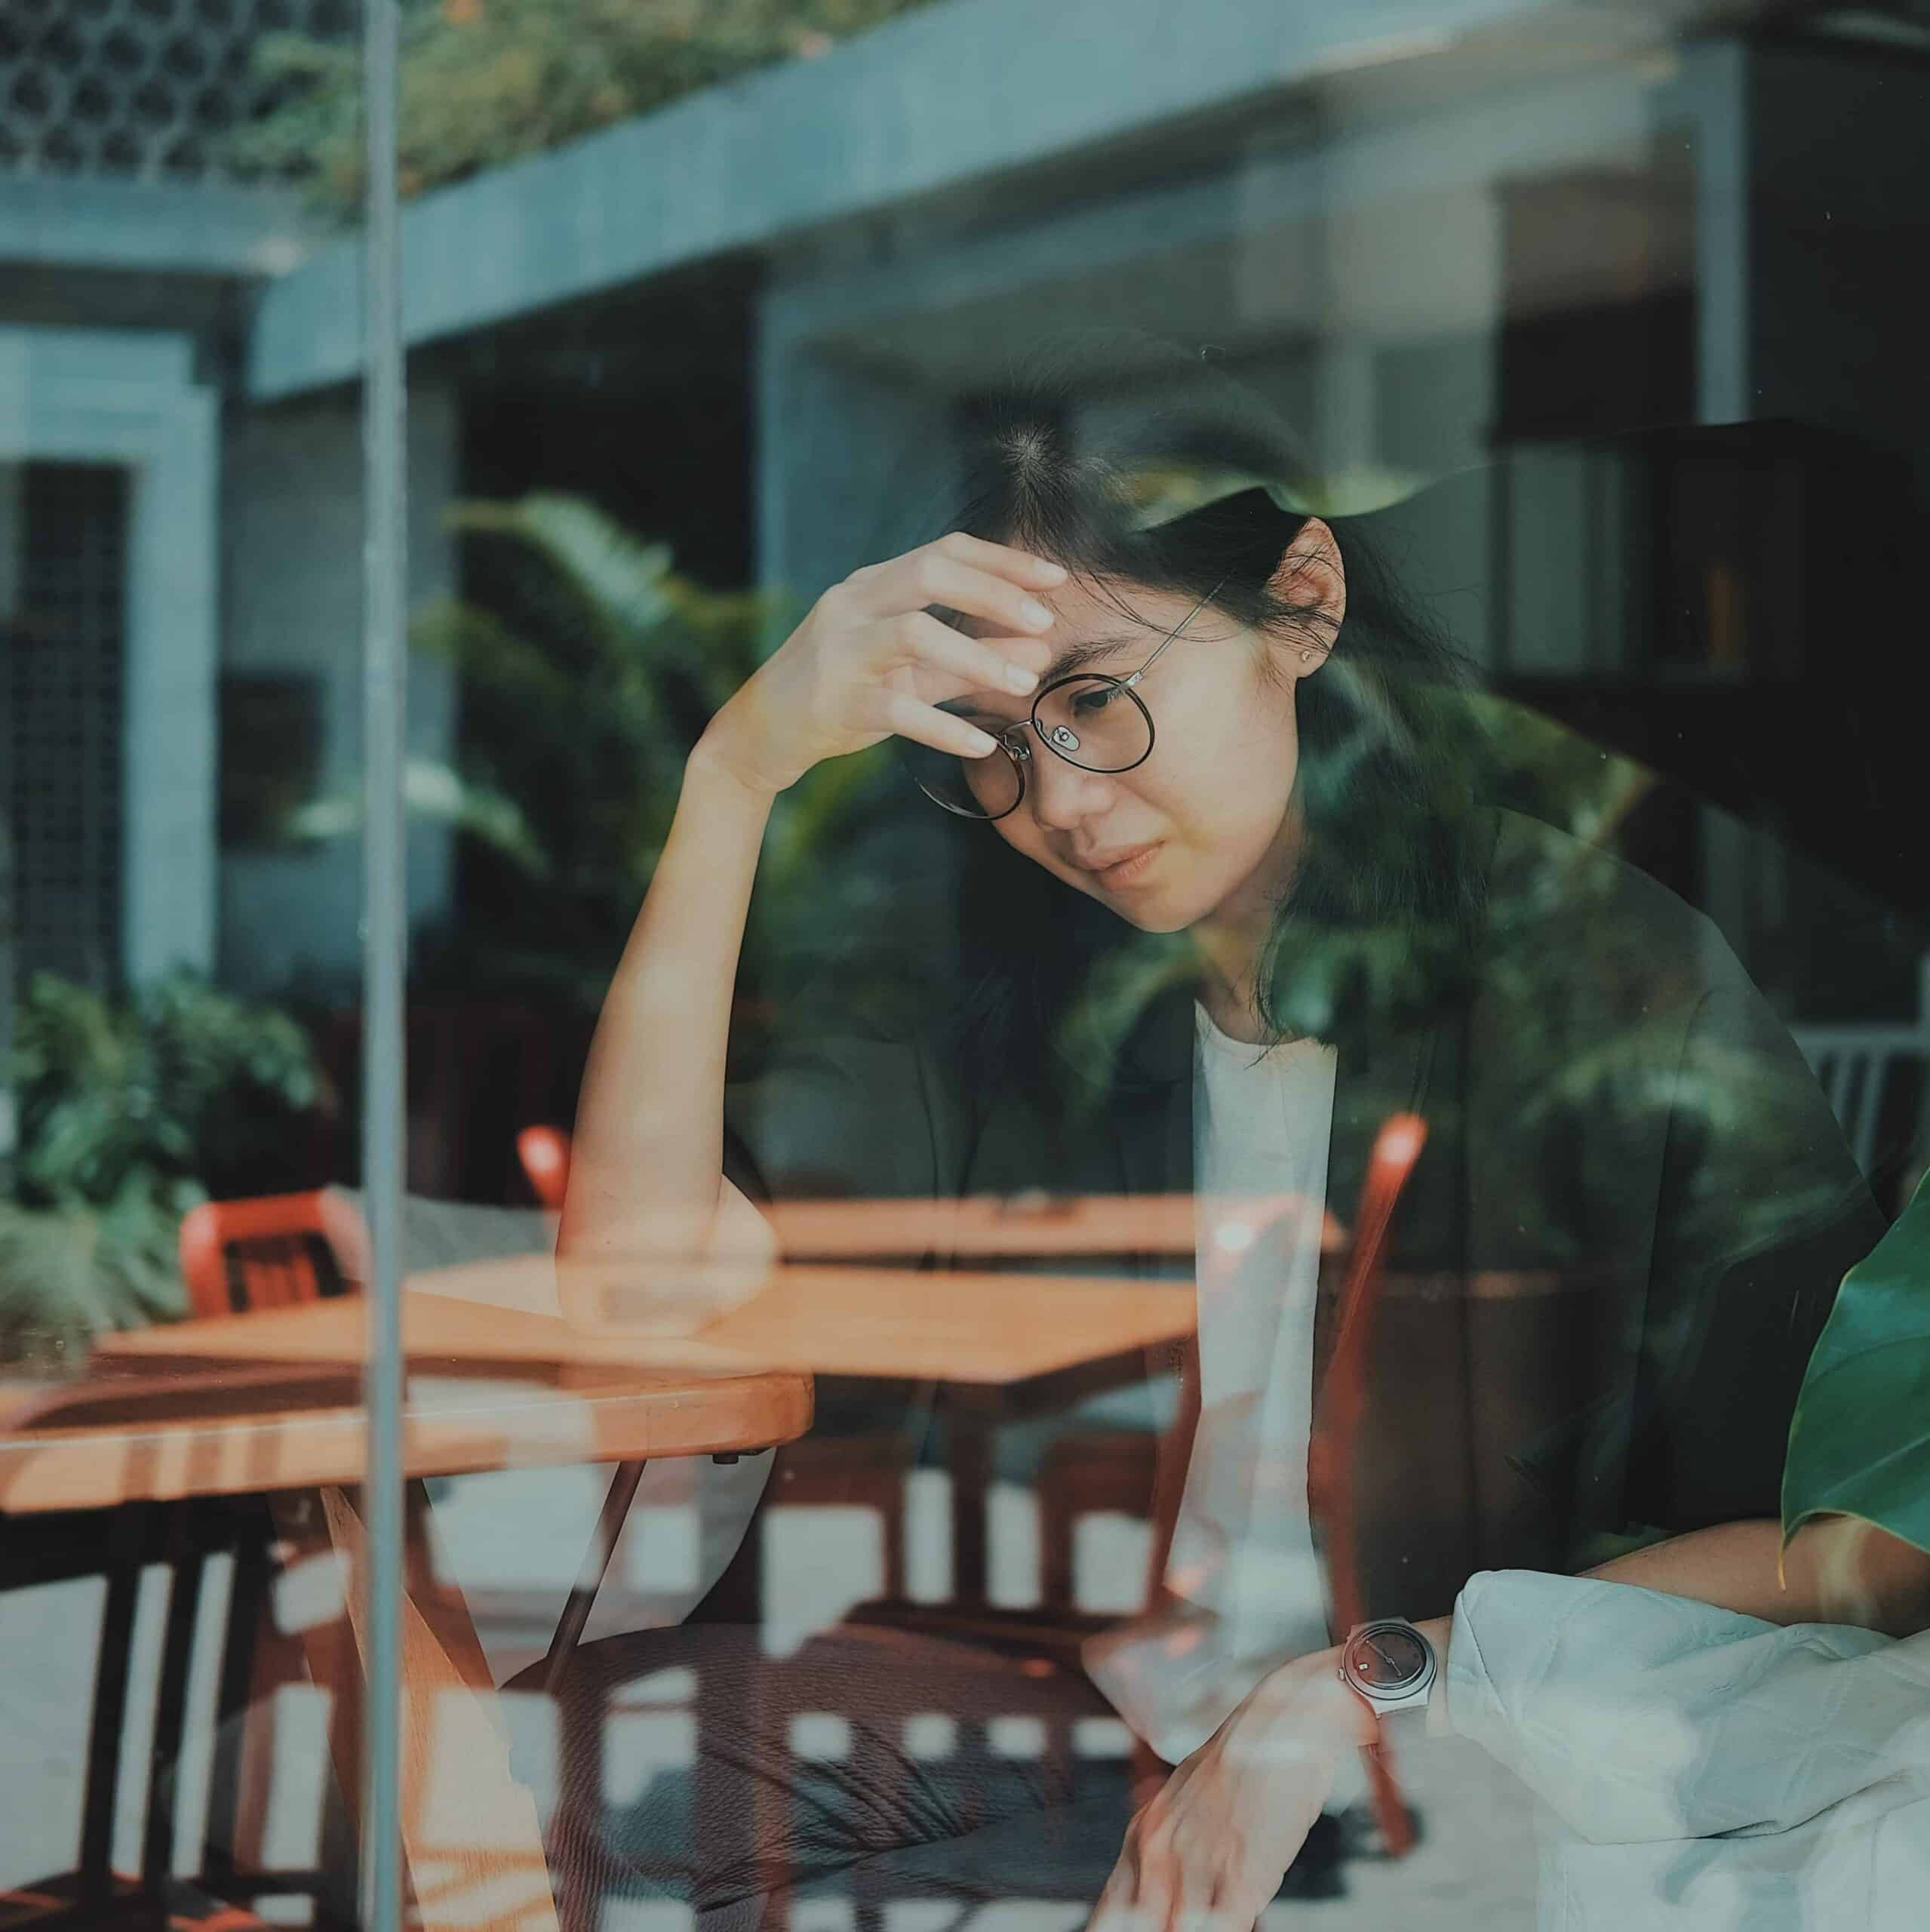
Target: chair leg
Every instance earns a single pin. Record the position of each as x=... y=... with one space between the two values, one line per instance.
x=248 y=1601
x=95 y=1882
x=185 y=1561
x=596 y=1567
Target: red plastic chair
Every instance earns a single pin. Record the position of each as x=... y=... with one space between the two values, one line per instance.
x=240 y=1256
x=544 y=1154
x=271 y=1251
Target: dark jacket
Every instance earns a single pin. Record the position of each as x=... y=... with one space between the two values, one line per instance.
x=1606 y=1274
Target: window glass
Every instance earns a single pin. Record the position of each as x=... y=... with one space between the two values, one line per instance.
x=1083 y=839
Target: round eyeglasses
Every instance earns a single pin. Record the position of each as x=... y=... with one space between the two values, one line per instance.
x=1096 y=722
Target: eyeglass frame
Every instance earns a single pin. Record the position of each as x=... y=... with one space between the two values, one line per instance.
x=1020 y=755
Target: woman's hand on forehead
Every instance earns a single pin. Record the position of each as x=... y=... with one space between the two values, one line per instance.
x=872 y=660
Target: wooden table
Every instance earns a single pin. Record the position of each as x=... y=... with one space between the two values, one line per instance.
x=993 y=1340
x=270 y=1403
x=272 y=1400
x=990 y=1337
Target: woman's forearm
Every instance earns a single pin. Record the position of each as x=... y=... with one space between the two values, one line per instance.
x=1837 y=1570
x=647 y=1162
x=1732 y=1566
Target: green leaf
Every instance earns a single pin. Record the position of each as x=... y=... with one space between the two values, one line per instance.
x=1860 y=1441
x=483 y=651
x=619 y=577
x=484 y=82
x=440 y=793
x=126 y=1110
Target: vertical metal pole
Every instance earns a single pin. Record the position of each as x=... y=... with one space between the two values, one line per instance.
x=385 y=941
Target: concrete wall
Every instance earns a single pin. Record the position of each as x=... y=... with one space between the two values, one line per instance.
x=1352 y=274
x=291 y=539
x=132 y=398
x=853 y=465
x=949 y=96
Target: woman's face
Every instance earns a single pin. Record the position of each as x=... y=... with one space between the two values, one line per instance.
x=1203 y=829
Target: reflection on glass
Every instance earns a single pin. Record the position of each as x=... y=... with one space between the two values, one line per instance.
x=1390 y=1094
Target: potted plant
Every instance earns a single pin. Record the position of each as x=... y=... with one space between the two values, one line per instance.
x=129 y=1113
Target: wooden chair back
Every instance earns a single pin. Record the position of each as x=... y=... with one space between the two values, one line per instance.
x=271 y=1250
x=544 y=1154
x=1334 y=1443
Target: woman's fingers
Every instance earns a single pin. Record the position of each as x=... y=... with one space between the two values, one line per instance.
x=1192 y=1890
x=1006 y=596
x=1233 y=1911
x=1115 y=1911
x=871 y=659
x=1156 y=1895
x=979 y=664
x=1024 y=566
x=1176 y=1880
x=900 y=713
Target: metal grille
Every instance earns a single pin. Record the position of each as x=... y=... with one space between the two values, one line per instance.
x=139 y=88
x=63 y=691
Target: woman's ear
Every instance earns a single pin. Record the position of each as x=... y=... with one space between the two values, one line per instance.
x=1310 y=580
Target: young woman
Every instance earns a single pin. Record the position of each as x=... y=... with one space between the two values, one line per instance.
x=1240 y=893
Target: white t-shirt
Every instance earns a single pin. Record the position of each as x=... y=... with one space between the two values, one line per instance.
x=1243 y=1558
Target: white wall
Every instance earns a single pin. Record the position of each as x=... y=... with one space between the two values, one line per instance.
x=291 y=539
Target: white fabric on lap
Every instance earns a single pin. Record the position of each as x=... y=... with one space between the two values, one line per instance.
x=1693 y=1768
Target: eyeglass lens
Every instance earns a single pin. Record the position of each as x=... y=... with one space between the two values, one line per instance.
x=1095 y=723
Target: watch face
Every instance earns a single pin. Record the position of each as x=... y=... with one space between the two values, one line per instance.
x=1387 y=1658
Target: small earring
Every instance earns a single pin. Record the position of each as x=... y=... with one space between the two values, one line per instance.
x=1307 y=656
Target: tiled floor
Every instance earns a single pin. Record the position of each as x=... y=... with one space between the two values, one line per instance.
x=1473 y=1872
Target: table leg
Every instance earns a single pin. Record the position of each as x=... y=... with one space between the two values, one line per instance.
x=596 y=1566
x=470 y=1838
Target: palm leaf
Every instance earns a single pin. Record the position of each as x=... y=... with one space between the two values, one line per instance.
x=620 y=578
x=484 y=651
x=810 y=819
x=439 y=792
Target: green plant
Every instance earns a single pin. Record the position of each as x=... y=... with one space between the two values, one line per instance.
x=1530 y=765
x=1859 y=1444
x=129 y=1114
x=584 y=682
x=486 y=82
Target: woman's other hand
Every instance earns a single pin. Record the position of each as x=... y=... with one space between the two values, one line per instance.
x=871 y=659
x=1210 y=1850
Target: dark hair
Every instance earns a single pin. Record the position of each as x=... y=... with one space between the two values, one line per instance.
x=1378 y=921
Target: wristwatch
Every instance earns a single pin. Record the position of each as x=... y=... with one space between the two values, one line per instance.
x=1388 y=1663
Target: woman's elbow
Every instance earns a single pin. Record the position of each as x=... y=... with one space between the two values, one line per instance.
x=1904 y=1608
x=1864 y=1575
